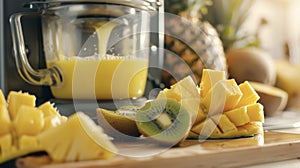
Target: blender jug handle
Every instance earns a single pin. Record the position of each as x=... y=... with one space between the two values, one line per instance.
x=50 y=77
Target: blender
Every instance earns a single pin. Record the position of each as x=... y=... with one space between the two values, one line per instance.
x=95 y=52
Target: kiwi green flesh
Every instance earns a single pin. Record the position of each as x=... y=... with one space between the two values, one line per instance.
x=153 y=120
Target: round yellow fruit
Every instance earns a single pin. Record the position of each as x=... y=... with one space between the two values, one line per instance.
x=288 y=78
x=251 y=64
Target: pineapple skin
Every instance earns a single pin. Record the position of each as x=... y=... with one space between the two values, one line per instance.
x=191 y=45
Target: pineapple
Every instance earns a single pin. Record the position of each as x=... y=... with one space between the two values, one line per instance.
x=25 y=129
x=191 y=44
x=77 y=139
x=21 y=121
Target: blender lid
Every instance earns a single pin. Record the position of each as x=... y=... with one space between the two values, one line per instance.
x=142 y=4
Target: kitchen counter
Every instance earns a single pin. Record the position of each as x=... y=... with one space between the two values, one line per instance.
x=286 y=120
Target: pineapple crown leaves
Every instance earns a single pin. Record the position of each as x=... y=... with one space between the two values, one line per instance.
x=228 y=16
x=189 y=8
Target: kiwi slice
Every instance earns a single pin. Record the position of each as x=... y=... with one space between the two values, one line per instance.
x=164 y=120
x=121 y=120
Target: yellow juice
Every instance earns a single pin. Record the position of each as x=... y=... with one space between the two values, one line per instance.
x=101 y=79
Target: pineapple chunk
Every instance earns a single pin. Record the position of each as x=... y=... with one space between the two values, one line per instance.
x=250 y=129
x=249 y=95
x=28 y=121
x=205 y=128
x=51 y=121
x=2 y=98
x=256 y=112
x=192 y=135
x=17 y=99
x=6 y=142
x=77 y=139
x=48 y=109
x=192 y=106
x=28 y=142
x=224 y=123
x=200 y=115
x=238 y=116
x=224 y=96
x=5 y=122
x=186 y=88
x=209 y=79
x=233 y=94
x=167 y=93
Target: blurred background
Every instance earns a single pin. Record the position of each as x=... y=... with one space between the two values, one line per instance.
x=260 y=41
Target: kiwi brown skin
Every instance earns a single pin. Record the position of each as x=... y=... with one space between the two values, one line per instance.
x=118 y=122
x=146 y=119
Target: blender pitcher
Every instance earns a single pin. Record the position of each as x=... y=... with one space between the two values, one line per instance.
x=93 y=48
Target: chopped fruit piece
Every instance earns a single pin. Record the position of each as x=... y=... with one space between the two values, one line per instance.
x=186 y=87
x=17 y=99
x=200 y=116
x=224 y=123
x=5 y=122
x=77 y=139
x=27 y=142
x=192 y=135
x=249 y=95
x=250 y=129
x=28 y=121
x=48 y=109
x=6 y=142
x=233 y=94
x=51 y=121
x=238 y=116
x=209 y=129
x=63 y=119
x=2 y=98
x=223 y=96
x=192 y=106
x=167 y=93
x=256 y=112
x=206 y=128
x=209 y=79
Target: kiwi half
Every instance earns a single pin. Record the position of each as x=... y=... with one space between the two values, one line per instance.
x=122 y=120
x=164 y=120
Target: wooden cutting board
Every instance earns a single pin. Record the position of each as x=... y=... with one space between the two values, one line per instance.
x=272 y=146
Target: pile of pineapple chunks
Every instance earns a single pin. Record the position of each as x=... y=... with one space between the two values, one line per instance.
x=220 y=108
x=25 y=128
